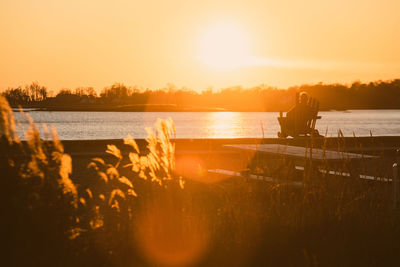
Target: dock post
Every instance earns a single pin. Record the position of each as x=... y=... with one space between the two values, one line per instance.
x=395 y=179
x=394 y=182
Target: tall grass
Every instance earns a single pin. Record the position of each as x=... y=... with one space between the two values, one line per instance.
x=52 y=221
x=109 y=204
x=38 y=200
x=136 y=210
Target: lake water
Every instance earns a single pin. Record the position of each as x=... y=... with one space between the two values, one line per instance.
x=110 y=125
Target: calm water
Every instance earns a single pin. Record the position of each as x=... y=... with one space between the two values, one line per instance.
x=109 y=125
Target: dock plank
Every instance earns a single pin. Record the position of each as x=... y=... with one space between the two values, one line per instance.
x=254 y=177
x=300 y=152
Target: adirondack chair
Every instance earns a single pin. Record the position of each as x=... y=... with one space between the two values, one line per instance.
x=300 y=125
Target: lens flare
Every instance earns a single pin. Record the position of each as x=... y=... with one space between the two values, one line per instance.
x=171 y=236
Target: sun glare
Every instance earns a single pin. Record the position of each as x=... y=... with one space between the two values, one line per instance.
x=225 y=45
x=224 y=124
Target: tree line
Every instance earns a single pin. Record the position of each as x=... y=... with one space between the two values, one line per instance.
x=373 y=95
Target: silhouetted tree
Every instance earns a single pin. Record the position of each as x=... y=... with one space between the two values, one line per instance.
x=373 y=95
x=36 y=92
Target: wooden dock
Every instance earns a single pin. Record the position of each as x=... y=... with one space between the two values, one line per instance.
x=315 y=154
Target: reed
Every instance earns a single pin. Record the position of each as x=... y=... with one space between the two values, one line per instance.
x=38 y=199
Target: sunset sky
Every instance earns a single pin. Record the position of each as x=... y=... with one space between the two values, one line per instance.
x=66 y=44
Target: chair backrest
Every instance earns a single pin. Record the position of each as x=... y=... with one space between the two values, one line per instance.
x=303 y=124
x=313 y=105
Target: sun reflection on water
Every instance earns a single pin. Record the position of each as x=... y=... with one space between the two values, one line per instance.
x=224 y=125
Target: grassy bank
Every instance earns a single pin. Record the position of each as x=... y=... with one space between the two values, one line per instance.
x=152 y=203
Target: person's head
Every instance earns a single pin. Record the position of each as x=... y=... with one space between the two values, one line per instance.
x=303 y=98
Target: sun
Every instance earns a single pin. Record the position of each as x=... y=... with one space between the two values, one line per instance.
x=225 y=45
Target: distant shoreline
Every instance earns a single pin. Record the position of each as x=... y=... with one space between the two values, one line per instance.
x=123 y=108
x=160 y=108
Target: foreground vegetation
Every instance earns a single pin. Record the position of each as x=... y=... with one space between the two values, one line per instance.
x=138 y=210
x=373 y=95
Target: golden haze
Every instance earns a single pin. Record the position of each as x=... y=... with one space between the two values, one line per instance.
x=151 y=43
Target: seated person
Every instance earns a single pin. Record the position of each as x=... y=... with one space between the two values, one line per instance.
x=297 y=117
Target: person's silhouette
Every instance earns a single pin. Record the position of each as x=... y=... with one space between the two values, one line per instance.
x=298 y=116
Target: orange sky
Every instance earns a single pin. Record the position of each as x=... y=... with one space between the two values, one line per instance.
x=66 y=44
